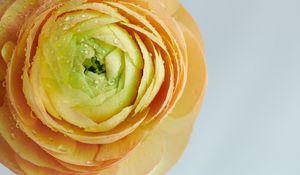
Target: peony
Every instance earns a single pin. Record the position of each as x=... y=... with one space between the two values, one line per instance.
x=97 y=87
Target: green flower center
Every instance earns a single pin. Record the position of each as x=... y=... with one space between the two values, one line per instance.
x=93 y=65
x=89 y=64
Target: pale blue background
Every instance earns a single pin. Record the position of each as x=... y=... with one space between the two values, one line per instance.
x=250 y=121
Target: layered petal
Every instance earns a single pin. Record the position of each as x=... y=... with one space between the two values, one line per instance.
x=97 y=87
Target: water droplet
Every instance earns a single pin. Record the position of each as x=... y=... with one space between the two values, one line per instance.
x=12 y=135
x=70 y=131
x=86 y=52
x=17 y=125
x=62 y=148
x=103 y=51
x=66 y=27
x=116 y=41
x=111 y=82
x=34 y=132
x=4 y=83
x=67 y=18
x=83 y=16
x=89 y=162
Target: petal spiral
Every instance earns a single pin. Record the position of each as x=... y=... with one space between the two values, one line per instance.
x=97 y=87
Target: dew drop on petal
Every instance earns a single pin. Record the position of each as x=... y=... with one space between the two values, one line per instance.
x=68 y=18
x=34 y=132
x=66 y=27
x=12 y=135
x=89 y=162
x=70 y=131
x=17 y=125
x=111 y=82
x=62 y=148
x=4 y=83
x=116 y=41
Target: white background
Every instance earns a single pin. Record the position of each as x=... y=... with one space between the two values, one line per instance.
x=250 y=121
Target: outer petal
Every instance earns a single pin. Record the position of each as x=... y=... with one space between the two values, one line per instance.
x=7 y=157
x=179 y=123
x=145 y=157
x=182 y=16
x=170 y=6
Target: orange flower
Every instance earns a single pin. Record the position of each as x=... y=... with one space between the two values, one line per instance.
x=97 y=87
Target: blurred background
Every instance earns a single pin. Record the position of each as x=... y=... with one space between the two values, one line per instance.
x=250 y=120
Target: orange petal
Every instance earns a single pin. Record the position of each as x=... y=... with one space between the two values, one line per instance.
x=170 y=6
x=197 y=77
x=145 y=157
x=180 y=122
x=171 y=129
x=22 y=145
x=183 y=16
x=117 y=150
x=7 y=157
x=31 y=169
x=83 y=155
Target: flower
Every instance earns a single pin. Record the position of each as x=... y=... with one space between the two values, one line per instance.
x=97 y=87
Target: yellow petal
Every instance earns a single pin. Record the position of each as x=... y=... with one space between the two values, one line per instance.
x=7 y=51
x=111 y=123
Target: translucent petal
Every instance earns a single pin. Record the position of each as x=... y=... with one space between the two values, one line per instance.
x=145 y=157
